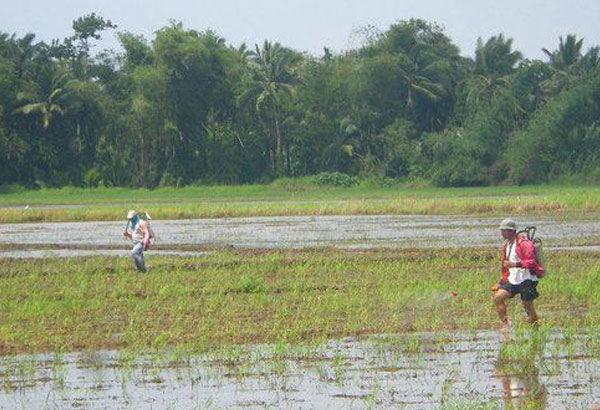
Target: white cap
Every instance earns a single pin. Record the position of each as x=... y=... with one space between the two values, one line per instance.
x=508 y=225
x=130 y=214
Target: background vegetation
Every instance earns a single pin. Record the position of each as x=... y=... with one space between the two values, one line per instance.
x=186 y=107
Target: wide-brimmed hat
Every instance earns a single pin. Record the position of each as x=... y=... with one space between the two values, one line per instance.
x=130 y=214
x=508 y=225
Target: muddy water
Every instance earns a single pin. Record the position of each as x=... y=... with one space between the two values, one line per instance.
x=412 y=372
x=291 y=232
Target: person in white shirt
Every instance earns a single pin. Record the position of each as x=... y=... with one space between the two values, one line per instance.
x=138 y=231
x=518 y=266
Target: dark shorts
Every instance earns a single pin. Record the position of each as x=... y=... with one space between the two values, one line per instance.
x=527 y=289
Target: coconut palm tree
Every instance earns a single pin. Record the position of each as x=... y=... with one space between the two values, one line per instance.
x=428 y=65
x=567 y=55
x=51 y=98
x=495 y=60
x=568 y=62
x=272 y=80
x=496 y=57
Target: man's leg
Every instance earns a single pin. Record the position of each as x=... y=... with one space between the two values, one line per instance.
x=532 y=316
x=528 y=295
x=138 y=257
x=499 y=298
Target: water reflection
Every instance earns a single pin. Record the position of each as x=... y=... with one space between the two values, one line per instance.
x=544 y=369
x=518 y=367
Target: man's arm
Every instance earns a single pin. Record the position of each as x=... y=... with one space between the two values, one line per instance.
x=505 y=265
x=126 y=232
x=144 y=226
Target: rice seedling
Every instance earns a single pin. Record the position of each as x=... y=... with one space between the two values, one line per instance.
x=475 y=403
x=58 y=372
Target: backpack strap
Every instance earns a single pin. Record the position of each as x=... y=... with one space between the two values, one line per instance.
x=529 y=232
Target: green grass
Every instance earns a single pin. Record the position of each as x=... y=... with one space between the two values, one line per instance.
x=231 y=298
x=292 y=198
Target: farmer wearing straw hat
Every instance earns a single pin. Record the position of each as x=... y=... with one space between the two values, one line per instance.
x=518 y=265
x=138 y=230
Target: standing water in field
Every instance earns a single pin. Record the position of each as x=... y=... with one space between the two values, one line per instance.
x=408 y=231
x=553 y=370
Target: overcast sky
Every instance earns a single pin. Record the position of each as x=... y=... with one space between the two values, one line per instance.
x=309 y=25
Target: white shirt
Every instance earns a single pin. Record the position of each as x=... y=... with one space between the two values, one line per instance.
x=137 y=233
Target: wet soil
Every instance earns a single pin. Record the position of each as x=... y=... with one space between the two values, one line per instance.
x=407 y=231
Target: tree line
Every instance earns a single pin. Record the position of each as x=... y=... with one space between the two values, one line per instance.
x=187 y=107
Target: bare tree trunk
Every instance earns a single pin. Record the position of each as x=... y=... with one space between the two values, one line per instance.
x=287 y=159
x=278 y=145
x=142 y=152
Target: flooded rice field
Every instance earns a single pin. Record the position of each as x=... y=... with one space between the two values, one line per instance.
x=21 y=240
x=551 y=369
x=396 y=371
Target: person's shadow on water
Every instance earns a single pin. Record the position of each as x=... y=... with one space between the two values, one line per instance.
x=517 y=366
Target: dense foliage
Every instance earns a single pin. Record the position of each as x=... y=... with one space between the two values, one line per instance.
x=186 y=107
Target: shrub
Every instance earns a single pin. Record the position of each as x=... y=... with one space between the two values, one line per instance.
x=337 y=179
x=92 y=178
x=459 y=171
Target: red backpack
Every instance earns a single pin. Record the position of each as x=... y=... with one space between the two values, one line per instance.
x=529 y=233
